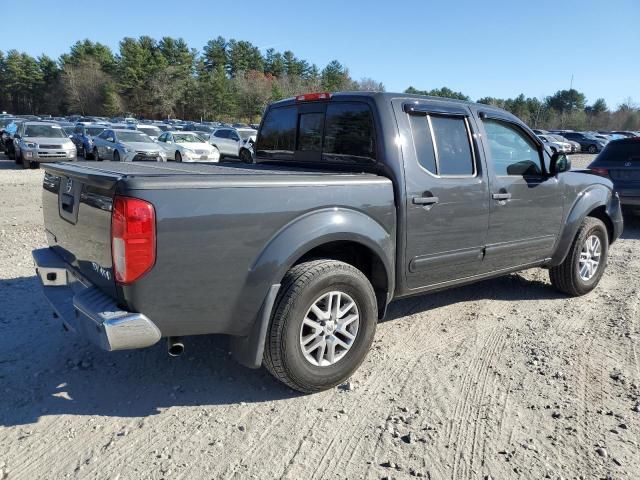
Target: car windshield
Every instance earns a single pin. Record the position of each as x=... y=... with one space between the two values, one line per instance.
x=187 y=138
x=244 y=134
x=93 y=131
x=150 y=130
x=134 y=137
x=47 y=131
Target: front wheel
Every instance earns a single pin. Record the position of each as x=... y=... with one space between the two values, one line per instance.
x=116 y=156
x=178 y=157
x=323 y=323
x=245 y=156
x=584 y=265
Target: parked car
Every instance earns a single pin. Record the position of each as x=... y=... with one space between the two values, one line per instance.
x=555 y=145
x=229 y=141
x=126 y=145
x=187 y=147
x=38 y=142
x=620 y=162
x=627 y=134
x=587 y=142
x=151 y=130
x=83 y=136
x=298 y=256
x=575 y=146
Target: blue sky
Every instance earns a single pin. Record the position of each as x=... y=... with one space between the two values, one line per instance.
x=493 y=48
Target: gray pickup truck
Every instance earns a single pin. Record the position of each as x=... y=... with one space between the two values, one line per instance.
x=355 y=199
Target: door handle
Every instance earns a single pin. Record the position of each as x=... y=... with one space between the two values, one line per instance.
x=501 y=196
x=425 y=200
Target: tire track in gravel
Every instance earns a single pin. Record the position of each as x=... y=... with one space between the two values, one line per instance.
x=465 y=423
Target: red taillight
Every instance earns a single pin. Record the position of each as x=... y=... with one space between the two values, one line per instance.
x=310 y=97
x=133 y=238
x=604 y=172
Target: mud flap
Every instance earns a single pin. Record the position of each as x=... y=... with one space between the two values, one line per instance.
x=248 y=351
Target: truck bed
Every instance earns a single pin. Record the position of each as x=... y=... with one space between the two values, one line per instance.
x=209 y=219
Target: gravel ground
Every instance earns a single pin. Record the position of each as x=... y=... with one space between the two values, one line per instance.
x=503 y=379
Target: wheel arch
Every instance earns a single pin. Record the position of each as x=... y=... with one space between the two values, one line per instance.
x=592 y=202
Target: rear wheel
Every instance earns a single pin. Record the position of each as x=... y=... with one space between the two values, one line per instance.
x=592 y=149
x=96 y=156
x=116 y=156
x=323 y=323
x=584 y=265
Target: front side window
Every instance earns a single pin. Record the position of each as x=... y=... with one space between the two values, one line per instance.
x=221 y=134
x=512 y=152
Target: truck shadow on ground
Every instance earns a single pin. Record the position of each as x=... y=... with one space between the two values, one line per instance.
x=45 y=371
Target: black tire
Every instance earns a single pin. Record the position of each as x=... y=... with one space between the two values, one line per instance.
x=18 y=159
x=566 y=276
x=178 y=157
x=301 y=287
x=26 y=164
x=592 y=149
x=245 y=156
x=116 y=156
x=34 y=165
x=11 y=153
x=96 y=156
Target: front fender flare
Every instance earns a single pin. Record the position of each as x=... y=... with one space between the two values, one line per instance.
x=588 y=200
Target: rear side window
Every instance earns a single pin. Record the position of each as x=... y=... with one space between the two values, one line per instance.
x=349 y=133
x=341 y=133
x=278 y=133
x=443 y=145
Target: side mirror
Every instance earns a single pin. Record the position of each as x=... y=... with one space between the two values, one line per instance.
x=17 y=136
x=559 y=163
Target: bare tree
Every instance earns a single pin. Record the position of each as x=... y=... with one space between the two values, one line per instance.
x=83 y=84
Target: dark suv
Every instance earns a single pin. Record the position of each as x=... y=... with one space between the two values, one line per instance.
x=620 y=161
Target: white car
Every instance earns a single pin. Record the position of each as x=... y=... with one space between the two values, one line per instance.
x=230 y=142
x=554 y=145
x=187 y=147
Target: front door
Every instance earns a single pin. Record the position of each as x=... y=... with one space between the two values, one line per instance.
x=526 y=203
x=447 y=209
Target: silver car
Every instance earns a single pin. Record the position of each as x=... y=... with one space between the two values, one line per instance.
x=36 y=142
x=125 y=145
x=229 y=141
x=151 y=130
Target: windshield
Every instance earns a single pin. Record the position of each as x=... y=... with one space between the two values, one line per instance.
x=47 y=131
x=134 y=137
x=93 y=131
x=244 y=134
x=155 y=131
x=187 y=138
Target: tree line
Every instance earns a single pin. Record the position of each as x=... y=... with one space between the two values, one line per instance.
x=566 y=109
x=229 y=80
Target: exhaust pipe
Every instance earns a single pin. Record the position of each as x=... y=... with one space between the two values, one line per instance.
x=175 y=346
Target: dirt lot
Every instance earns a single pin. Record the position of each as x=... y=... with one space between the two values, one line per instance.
x=503 y=379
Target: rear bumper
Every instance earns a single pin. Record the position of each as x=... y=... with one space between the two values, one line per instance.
x=86 y=310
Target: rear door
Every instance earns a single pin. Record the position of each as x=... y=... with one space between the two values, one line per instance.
x=526 y=204
x=447 y=194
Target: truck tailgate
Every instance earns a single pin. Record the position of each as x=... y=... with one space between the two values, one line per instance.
x=76 y=204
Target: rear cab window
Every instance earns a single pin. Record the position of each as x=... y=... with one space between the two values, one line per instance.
x=337 y=132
